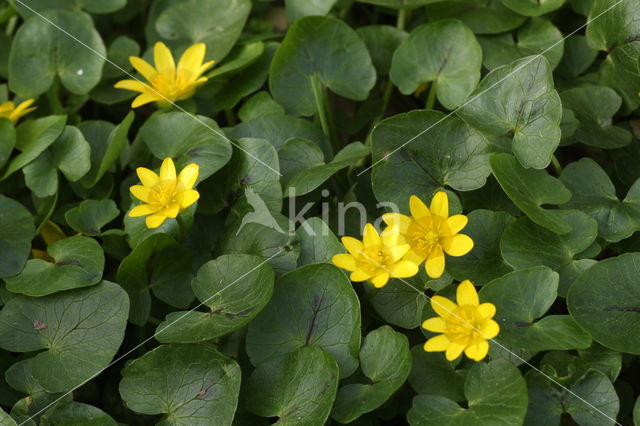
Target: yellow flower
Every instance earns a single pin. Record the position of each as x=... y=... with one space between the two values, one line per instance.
x=377 y=258
x=430 y=231
x=9 y=110
x=465 y=326
x=165 y=195
x=168 y=83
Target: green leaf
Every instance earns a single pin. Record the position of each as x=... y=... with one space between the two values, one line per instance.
x=120 y=49
x=636 y=412
x=217 y=23
x=79 y=338
x=234 y=287
x=533 y=7
x=614 y=25
x=77 y=262
x=8 y=138
x=187 y=139
x=484 y=263
x=311 y=306
x=537 y=36
x=595 y=194
x=620 y=71
x=606 y=302
x=399 y=4
x=72 y=154
x=41 y=176
x=594 y=107
x=519 y=102
x=6 y=420
x=32 y=138
x=311 y=178
x=28 y=8
x=482 y=16
x=157 y=264
x=46 y=47
x=445 y=53
x=76 y=414
x=450 y=153
x=496 y=395
x=322 y=48
x=399 y=302
x=381 y=41
x=432 y=374
x=202 y=388
x=298 y=388
x=525 y=244
x=318 y=244
x=90 y=216
x=578 y=56
x=107 y=141
x=530 y=189
x=238 y=59
x=521 y=298
x=259 y=105
x=297 y=155
x=386 y=361
x=301 y=8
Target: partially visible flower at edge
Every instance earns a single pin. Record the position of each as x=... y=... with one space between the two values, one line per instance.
x=376 y=258
x=465 y=326
x=431 y=232
x=166 y=195
x=12 y=112
x=167 y=83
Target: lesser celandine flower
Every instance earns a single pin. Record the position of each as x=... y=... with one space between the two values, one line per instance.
x=168 y=83
x=165 y=196
x=12 y=112
x=465 y=325
x=431 y=232
x=377 y=257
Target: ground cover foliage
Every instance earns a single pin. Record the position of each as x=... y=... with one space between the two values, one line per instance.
x=155 y=268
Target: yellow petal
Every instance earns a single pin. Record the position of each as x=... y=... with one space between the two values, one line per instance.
x=171 y=211
x=204 y=67
x=401 y=220
x=435 y=263
x=398 y=252
x=154 y=220
x=143 y=99
x=189 y=175
x=440 y=204
x=192 y=58
x=486 y=310
x=389 y=236
x=6 y=107
x=437 y=325
x=370 y=236
x=478 y=351
x=438 y=343
x=443 y=306
x=457 y=245
x=404 y=269
x=413 y=256
x=456 y=223
x=359 y=275
x=142 y=193
x=167 y=170
x=380 y=280
x=466 y=294
x=417 y=207
x=188 y=197
x=147 y=177
x=164 y=60
x=24 y=105
x=490 y=329
x=352 y=245
x=345 y=261
x=144 y=68
x=453 y=351
x=134 y=85
x=143 y=210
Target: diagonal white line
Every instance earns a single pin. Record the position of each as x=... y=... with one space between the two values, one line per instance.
x=534 y=57
x=120 y=358
x=524 y=361
x=149 y=86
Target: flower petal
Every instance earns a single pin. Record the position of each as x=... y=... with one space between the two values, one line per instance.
x=398 y=252
x=466 y=294
x=359 y=275
x=380 y=280
x=389 y=236
x=486 y=310
x=142 y=193
x=456 y=223
x=192 y=58
x=404 y=269
x=163 y=60
x=189 y=175
x=436 y=324
x=167 y=170
x=443 y=306
x=418 y=207
x=440 y=204
x=490 y=329
x=401 y=220
x=171 y=211
x=154 y=220
x=147 y=177
x=413 y=256
x=352 y=245
x=188 y=197
x=438 y=343
x=370 y=236
x=478 y=351
x=143 y=99
x=435 y=263
x=144 y=68
x=457 y=245
x=144 y=209
x=345 y=261
x=134 y=85
x=453 y=351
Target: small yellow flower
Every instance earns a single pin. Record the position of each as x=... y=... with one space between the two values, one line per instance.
x=377 y=258
x=465 y=326
x=165 y=195
x=167 y=83
x=9 y=110
x=430 y=231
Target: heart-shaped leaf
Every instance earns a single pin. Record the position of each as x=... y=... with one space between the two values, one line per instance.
x=533 y=7
x=16 y=231
x=482 y=16
x=90 y=216
x=432 y=374
x=318 y=244
x=616 y=23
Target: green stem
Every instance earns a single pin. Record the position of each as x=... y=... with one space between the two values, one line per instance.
x=431 y=97
x=319 y=95
x=556 y=165
x=231 y=117
x=53 y=95
x=11 y=25
x=348 y=4
x=401 y=23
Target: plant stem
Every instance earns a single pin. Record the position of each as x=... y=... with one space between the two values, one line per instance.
x=401 y=23
x=231 y=118
x=431 y=97
x=346 y=9
x=556 y=165
x=319 y=93
x=53 y=95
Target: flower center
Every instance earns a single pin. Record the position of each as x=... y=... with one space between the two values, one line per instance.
x=172 y=86
x=463 y=325
x=165 y=192
x=375 y=258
